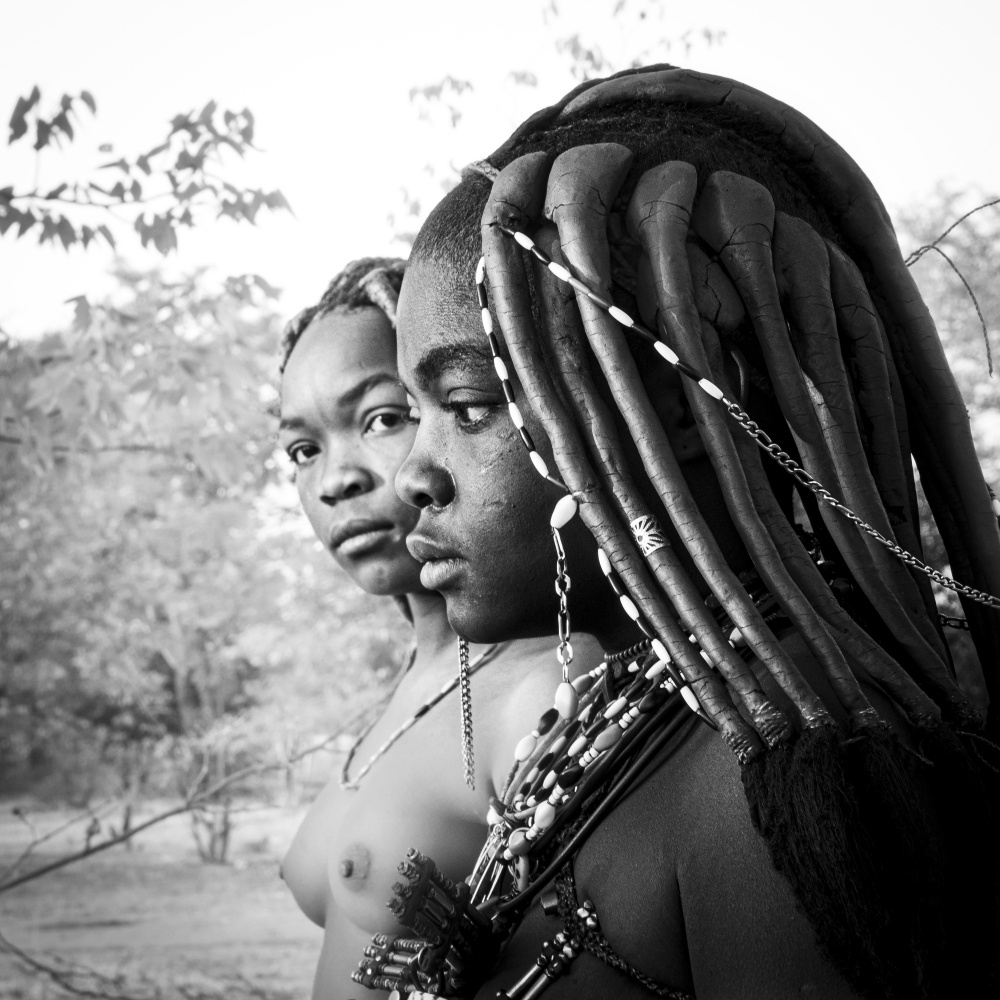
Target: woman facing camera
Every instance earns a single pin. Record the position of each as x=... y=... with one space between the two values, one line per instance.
x=648 y=294
x=408 y=781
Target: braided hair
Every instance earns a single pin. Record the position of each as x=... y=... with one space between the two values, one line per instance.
x=369 y=281
x=727 y=220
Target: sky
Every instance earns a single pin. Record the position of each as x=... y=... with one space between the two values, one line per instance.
x=908 y=89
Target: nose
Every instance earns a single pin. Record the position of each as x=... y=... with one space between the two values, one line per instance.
x=343 y=480
x=422 y=481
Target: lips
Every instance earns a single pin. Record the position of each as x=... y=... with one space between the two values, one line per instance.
x=359 y=536
x=442 y=565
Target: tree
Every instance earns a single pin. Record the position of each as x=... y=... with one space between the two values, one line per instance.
x=160 y=191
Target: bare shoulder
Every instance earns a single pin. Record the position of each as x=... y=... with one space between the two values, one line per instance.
x=745 y=932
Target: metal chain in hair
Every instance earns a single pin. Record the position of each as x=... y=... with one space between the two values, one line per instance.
x=744 y=420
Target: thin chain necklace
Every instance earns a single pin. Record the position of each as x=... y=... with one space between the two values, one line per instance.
x=353 y=784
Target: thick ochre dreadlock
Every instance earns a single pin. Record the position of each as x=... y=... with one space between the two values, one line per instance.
x=733 y=225
x=370 y=281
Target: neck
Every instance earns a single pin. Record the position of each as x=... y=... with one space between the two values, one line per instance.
x=430 y=623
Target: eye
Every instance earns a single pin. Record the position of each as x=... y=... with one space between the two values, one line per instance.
x=301 y=452
x=388 y=420
x=471 y=413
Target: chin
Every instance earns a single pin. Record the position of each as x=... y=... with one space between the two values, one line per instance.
x=479 y=620
x=387 y=578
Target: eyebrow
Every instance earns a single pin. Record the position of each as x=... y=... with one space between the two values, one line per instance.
x=347 y=400
x=439 y=361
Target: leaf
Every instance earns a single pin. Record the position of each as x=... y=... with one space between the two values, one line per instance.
x=136 y=190
x=142 y=162
x=18 y=120
x=106 y=233
x=43 y=133
x=6 y=195
x=55 y=192
x=207 y=112
x=82 y=312
x=67 y=234
x=87 y=236
x=26 y=221
x=117 y=165
x=88 y=99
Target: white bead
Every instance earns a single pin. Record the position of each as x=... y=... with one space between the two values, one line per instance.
x=487 y=321
x=670 y=685
x=689 y=696
x=634 y=712
x=623 y=317
x=996 y=507
x=524 y=240
x=633 y=667
x=501 y=369
x=707 y=659
x=577 y=746
x=656 y=669
x=604 y=561
x=665 y=352
x=493 y=817
x=736 y=638
x=515 y=415
x=480 y=270
x=564 y=511
x=544 y=815
x=559 y=271
x=615 y=707
x=539 y=463
x=629 y=605
x=566 y=700
x=550 y=779
x=661 y=651
x=711 y=388
x=526 y=747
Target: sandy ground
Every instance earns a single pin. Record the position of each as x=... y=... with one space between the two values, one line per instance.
x=159 y=919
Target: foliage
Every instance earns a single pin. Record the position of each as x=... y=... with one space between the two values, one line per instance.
x=157 y=585
x=958 y=282
x=162 y=190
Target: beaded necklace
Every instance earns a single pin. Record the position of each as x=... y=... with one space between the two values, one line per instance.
x=353 y=784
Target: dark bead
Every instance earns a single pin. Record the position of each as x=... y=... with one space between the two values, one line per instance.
x=423 y=710
x=654 y=699
x=508 y=391
x=646 y=630
x=583 y=683
x=595 y=727
x=550 y=902
x=494 y=344
x=481 y=293
x=524 y=789
x=547 y=721
x=570 y=776
x=526 y=438
x=560 y=765
x=571 y=730
x=543 y=764
x=686 y=369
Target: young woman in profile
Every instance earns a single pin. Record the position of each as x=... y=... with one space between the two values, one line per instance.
x=345 y=425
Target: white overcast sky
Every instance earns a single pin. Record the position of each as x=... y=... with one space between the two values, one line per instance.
x=908 y=88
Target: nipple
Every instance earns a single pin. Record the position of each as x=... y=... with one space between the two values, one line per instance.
x=353 y=866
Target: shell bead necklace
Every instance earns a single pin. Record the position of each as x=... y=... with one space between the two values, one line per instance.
x=350 y=784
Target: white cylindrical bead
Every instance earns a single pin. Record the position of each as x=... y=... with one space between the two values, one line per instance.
x=539 y=463
x=515 y=415
x=623 y=317
x=559 y=271
x=544 y=815
x=615 y=707
x=501 y=369
x=629 y=605
x=711 y=388
x=656 y=669
x=480 y=270
x=577 y=746
x=665 y=352
x=525 y=240
x=689 y=696
x=605 y=562
x=487 y=321
x=525 y=747
x=661 y=651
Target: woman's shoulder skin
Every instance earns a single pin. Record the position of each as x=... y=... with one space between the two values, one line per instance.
x=685 y=891
x=342 y=863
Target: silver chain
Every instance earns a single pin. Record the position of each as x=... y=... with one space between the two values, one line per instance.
x=565 y=651
x=465 y=687
x=789 y=464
